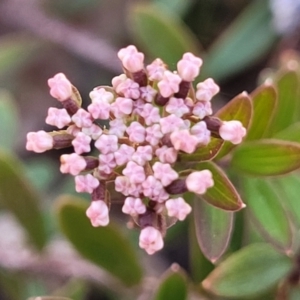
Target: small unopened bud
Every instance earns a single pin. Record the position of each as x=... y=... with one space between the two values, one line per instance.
x=61 y=139
x=206 y=90
x=178 y=186
x=131 y=59
x=98 y=213
x=151 y=240
x=60 y=87
x=178 y=208
x=189 y=67
x=198 y=182
x=184 y=88
x=160 y=100
x=232 y=131
x=39 y=142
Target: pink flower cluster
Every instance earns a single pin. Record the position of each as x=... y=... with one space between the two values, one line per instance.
x=153 y=116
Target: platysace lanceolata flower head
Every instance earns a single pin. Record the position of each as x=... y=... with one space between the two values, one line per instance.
x=153 y=116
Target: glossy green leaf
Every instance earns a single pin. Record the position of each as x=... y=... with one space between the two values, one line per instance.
x=18 y=196
x=291 y=133
x=9 y=120
x=173 y=285
x=203 y=153
x=288 y=94
x=213 y=229
x=264 y=101
x=248 y=38
x=267 y=157
x=104 y=246
x=248 y=272
x=161 y=35
x=288 y=187
x=223 y=193
x=239 y=108
x=199 y=265
x=267 y=212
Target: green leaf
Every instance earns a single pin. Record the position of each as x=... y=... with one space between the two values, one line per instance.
x=203 y=153
x=9 y=120
x=264 y=101
x=213 y=229
x=248 y=38
x=288 y=94
x=223 y=193
x=199 y=265
x=239 y=108
x=268 y=214
x=173 y=285
x=266 y=157
x=248 y=272
x=104 y=246
x=288 y=187
x=291 y=133
x=161 y=35
x=18 y=196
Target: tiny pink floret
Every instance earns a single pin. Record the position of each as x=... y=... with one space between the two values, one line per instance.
x=169 y=84
x=98 y=213
x=129 y=89
x=58 y=117
x=81 y=143
x=206 y=90
x=232 y=131
x=136 y=132
x=151 y=240
x=39 y=141
x=131 y=59
x=107 y=163
x=198 y=182
x=201 y=132
x=100 y=94
x=107 y=143
x=142 y=155
x=177 y=107
x=99 y=109
x=164 y=173
x=166 y=154
x=133 y=206
x=202 y=109
x=60 y=87
x=82 y=118
x=123 y=154
x=156 y=70
x=183 y=140
x=72 y=164
x=134 y=172
x=189 y=67
x=86 y=183
x=178 y=208
x=121 y=107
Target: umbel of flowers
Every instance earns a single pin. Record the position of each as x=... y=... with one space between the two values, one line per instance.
x=140 y=125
